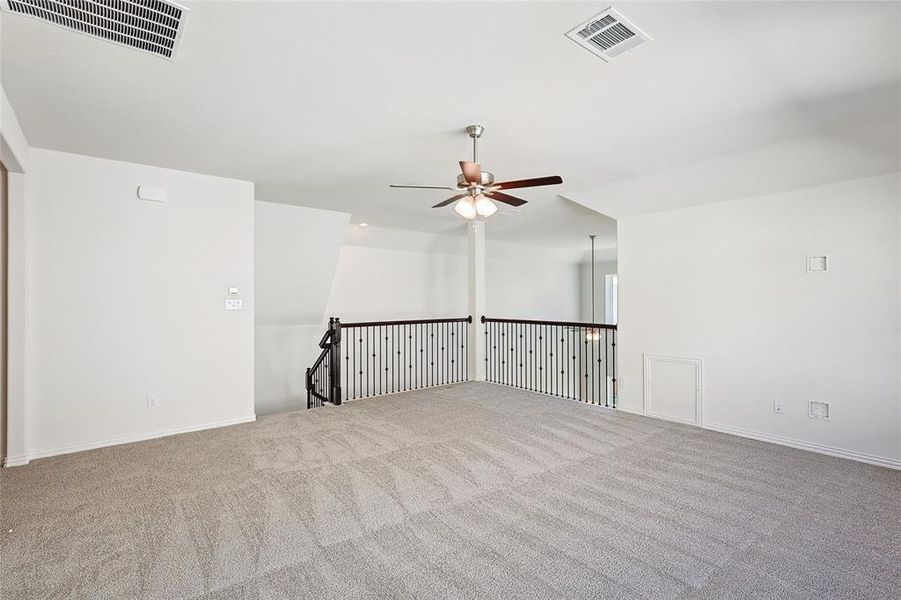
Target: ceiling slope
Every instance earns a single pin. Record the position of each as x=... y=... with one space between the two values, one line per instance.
x=325 y=104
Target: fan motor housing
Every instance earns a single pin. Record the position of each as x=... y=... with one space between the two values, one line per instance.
x=487 y=179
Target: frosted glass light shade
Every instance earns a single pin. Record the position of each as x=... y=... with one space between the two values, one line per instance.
x=465 y=208
x=485 y=207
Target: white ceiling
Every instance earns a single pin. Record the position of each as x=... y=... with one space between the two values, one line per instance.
x=325 y=104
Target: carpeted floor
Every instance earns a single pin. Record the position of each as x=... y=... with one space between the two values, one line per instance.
x=468 y=491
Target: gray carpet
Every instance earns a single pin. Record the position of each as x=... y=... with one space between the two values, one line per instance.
x=469 y=491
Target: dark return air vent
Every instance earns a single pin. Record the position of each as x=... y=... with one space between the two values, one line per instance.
x=153 y=26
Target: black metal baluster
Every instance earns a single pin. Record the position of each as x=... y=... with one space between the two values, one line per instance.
x=573 y=367
x=561 y=361
x=613 y=351
x=511 y=339
x=408 y=360
x=527 y=356
x=364 y=362
x=566 y=368
x=387 y=361
x=519 y=355
x=540 y=356
x=549 y=350
x=533 y=356
x=498 y=353
x=544 y=370
x=487 y=352
x=358 y=370
x=491 y=375
x=347 y=348
x=514 y=357
x=592 y=378
x=375 y=359
x=450 y=352
x=583 y=372
x=510 y=378
x=464 y=343
x=606 y=363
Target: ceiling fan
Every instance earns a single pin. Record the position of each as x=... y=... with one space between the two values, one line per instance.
x=477 y=188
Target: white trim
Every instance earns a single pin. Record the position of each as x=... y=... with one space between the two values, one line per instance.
x=818 y=448
x=697 y=363
x=863 y=457
x=633 y=411
x=17 y=461
x=140 y=437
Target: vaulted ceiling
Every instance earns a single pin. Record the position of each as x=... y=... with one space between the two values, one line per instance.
x=325 y=104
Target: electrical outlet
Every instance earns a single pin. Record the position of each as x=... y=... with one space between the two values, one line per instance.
x=622 y=382
x=152 y=402
x=778 y=407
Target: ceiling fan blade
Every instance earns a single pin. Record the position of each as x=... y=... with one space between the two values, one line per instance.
x=506 y=198
x=450 y=200
x=523 y=183
x=472 y=172
x=424 y=187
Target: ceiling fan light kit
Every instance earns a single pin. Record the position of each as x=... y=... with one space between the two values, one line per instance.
x=465 y=208
x=478 y=190
x=484 y=206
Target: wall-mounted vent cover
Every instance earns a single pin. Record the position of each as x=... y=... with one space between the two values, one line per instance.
x=153 y=26
x=608 y=35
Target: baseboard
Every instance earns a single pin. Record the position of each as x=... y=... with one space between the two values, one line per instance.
x=633 y=411
x=17 y=461
x=819 y=448
x=128 y=439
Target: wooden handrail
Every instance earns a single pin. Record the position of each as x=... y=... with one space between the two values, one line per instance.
x=558 y=323
x=408 y=322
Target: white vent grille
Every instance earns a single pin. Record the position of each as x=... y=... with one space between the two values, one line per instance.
x=153 y=26
x=608 y=35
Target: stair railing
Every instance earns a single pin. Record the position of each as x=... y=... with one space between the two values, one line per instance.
x=560 y=358
x=374 y=358
x=324 y=377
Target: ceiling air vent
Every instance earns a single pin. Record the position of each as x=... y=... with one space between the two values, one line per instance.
x=608 y=35
x=153 y=26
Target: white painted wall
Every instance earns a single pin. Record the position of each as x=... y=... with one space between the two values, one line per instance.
x=601 y=270
x=14 y=151
x=127 y=300
x=14 y=147
x=296 y=253
x=727 y=283
x=425 y=276
x=533 y=288
x=374 y=284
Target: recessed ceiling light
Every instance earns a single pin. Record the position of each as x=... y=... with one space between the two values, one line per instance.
x=363 y=224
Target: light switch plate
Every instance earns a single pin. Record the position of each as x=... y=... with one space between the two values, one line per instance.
x=234 y=303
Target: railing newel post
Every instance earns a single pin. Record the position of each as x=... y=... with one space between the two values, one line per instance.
x=335 y=362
